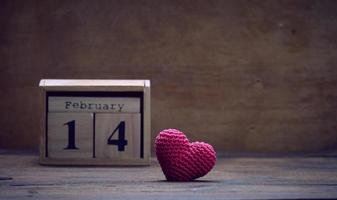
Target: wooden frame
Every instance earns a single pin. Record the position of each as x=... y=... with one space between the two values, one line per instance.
x=136 y=94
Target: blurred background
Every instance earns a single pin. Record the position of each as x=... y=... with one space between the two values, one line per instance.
x=244 y=76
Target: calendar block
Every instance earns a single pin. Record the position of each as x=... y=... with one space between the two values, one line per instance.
x=95 y=122
x=114 y=139
x=70 y=135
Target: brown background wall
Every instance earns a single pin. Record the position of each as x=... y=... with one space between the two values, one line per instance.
x=256 y=76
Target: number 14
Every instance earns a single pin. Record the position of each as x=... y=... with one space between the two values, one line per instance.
x=120 y=142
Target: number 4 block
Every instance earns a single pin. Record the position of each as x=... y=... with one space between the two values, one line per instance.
x=95 y=122
x=113 y=138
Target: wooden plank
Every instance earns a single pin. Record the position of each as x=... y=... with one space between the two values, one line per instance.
x=112 y=162
x=232 y=178
x=147 y=120
x=43 y=126
x=92 y=84
x=94 y=104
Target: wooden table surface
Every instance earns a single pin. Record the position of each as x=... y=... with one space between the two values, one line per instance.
x=21 y=177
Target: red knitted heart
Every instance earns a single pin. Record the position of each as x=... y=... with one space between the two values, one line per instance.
x=181 y=160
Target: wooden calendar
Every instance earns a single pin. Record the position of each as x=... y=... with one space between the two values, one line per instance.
x=95 y=122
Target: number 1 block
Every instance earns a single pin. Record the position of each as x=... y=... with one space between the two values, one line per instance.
x=70 y=135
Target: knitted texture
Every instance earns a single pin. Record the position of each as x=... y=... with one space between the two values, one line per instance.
x=181 y=160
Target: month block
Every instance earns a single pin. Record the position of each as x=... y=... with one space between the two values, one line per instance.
x=95 y=122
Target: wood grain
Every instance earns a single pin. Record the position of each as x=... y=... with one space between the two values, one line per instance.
x=252 y=76
x=283 y=177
